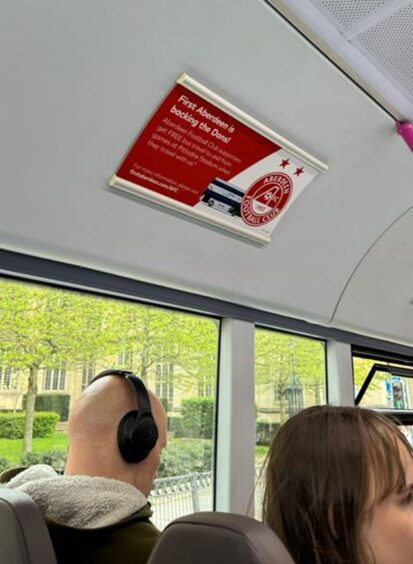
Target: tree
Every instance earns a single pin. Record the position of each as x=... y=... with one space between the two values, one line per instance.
x=273 y=366
x=43 y=327
x=283 y=360
x=150 y=336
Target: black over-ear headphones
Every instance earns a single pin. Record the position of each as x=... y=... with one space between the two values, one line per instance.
x=137 y=430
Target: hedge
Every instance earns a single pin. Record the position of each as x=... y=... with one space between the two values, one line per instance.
x=54 y=458
x=12 y=424
x=198 y=417
x=175 y=425
x=5 y=463
x=184 y=457
x=179 y=457
x=59 y=403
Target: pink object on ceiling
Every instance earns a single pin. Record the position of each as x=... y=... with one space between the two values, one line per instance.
x=406 y=131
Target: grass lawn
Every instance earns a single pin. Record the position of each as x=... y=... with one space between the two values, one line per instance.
x=260 y=453
x=12 y=448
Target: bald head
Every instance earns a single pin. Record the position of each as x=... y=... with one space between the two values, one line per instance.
x=93 y=427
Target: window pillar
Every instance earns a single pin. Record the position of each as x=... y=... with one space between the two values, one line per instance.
x=236 y=418
x=340 y=373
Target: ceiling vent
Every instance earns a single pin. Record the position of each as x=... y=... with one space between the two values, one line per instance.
x=372 y=40
x=348 y=13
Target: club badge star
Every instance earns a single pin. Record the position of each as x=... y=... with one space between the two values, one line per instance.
x=284 y=163
x=299 y=171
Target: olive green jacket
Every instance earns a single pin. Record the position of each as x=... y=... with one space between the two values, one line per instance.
x=128 y=541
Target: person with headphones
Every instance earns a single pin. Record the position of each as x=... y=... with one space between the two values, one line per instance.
x=98 y=512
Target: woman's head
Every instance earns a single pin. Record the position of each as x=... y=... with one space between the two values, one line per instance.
x=335 y=476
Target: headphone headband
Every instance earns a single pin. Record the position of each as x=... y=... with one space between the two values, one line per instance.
x=137 y=430
x=141 y=392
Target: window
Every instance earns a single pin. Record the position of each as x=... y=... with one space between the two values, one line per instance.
x=5 y=378
x=87 y=375
x=125 y=358
x=290 y=374
x=205 y=389
x=62 y=382
x=164 y=385
x=75 y=335
x=383 y=384
x=54 y=379
x=47 y=379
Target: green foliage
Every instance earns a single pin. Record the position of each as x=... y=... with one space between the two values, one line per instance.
x=198 y=417
x=165 y=403
x=175 y=426
x=12 y=424
x=265 y=432
x=59 y=403
x=43 y=327
x=5 y=463
x=261 y=452
x=183 y=457
x=54 y=458
x=361 y=369
x=282 y=357
x=45 y=423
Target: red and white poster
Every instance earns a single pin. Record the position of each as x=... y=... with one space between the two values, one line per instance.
x=202 y=156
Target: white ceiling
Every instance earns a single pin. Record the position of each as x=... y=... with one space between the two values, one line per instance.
x=371 y=39
x=80 y=79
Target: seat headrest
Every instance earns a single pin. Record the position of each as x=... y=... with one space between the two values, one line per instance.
x=210 y=537
x=24 y=538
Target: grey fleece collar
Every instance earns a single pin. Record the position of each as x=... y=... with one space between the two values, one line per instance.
x=78 y=501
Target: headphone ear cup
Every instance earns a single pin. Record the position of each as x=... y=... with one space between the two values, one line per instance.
x=137 y=435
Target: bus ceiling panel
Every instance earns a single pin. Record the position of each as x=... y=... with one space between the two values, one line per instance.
x=369 y=39
x=80 y=80
x=378 y=298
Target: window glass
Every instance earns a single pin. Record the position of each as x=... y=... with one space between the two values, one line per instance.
x=52 y=343
x=387 y=389
x=290 y=374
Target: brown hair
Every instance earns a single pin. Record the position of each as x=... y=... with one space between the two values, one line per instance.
x=326 y=469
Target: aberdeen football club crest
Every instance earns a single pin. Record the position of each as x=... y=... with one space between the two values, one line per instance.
x=266 y=198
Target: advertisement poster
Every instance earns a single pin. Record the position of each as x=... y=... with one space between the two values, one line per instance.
x=202 y=156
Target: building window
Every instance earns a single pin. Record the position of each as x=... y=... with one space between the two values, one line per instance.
x=62 y=382
x=54 y=379
x=47 y=379
x=164 y=386
x=205 y=390
x=5 y=378
x=125 y=358
x=87 y=376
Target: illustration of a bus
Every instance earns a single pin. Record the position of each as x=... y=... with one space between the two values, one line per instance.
x=223 y=196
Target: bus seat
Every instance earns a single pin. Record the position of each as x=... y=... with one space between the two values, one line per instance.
x=218 y=538
x=24 y=538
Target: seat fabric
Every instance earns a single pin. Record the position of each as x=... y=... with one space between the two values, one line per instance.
x=218 y=538
x=24 y=538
